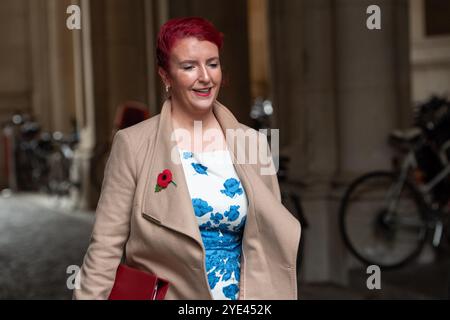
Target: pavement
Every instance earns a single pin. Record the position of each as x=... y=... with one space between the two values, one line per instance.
x=41 y=237
x=416 y=282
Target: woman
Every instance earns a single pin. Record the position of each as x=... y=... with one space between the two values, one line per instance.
x=195 y=214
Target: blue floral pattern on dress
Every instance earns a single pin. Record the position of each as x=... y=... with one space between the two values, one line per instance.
x=231 y=291
x=206 y=226
x=216 y=217
x=222 y=262
x=199 y=168
x=201 y=207
x=224 y=226
x=187 y=155
x=232 y=187
x=212 y=279
x=233 y=213
x=221 y=216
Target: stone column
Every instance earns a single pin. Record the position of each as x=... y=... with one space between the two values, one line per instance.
x=85 y=109
x=372 y=83
x=323 y=249
x=286 y=52
x=122 y=69
x=156 y=13
x=120 y=66
x=339 y=89
x=303 y=86
x=15 y=82
x=304 y=97
x=61 y=63
x=40 y=62
x=372 y=87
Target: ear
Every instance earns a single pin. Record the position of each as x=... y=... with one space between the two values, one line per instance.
x=164 y=76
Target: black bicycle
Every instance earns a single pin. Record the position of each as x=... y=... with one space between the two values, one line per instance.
x=387 y=217
x=41 y=161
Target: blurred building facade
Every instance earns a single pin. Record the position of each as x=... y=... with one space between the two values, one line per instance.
x=337 y=87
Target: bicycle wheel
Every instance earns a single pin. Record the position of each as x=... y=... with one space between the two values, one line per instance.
x=382 y=221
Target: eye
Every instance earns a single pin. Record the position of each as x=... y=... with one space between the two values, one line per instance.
x=187 y=67
x=214 y=65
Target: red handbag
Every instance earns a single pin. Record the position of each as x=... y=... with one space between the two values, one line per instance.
x=134 y=284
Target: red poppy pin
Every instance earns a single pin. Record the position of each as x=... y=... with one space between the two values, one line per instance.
x=164 y=178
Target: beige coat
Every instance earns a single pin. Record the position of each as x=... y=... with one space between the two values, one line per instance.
x=159 y=231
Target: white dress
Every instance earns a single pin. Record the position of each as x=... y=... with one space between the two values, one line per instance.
x=220 y=206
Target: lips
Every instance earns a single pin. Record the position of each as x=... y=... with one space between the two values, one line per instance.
x=204 y=92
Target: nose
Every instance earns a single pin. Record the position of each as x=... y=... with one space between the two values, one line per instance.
x=204 y=76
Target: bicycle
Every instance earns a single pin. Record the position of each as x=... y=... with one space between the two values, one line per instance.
x=31 y=149
x=61 y=180
x=41 y=161
x=386 y=217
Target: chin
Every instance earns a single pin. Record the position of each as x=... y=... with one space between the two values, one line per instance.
x=201 y=107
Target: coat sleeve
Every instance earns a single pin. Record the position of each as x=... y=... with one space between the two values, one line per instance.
x=112 y=223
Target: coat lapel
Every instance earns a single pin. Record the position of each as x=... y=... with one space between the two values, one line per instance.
x=172 y=206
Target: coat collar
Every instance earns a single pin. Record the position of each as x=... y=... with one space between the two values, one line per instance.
x=172 y=207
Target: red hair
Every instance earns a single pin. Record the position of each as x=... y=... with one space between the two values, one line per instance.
x=179 y=28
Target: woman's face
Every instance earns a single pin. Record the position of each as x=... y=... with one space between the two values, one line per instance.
x=194 y=75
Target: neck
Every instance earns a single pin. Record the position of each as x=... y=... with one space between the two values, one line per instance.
x=182 y=118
